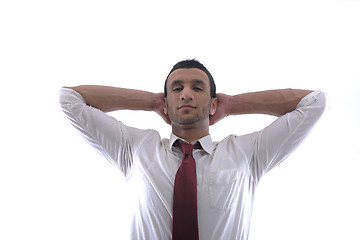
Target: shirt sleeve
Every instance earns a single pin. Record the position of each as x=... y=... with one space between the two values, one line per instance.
x=103 y=132
x=274 y=143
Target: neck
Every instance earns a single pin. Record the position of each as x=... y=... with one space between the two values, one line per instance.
x=190 y=133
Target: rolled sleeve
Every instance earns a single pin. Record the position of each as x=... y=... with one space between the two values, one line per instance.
x=103 y=132
x=274 y=143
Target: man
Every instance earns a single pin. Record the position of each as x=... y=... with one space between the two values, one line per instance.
x=225 y=173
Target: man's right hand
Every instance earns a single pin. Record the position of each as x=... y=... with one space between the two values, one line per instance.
x=159 y=107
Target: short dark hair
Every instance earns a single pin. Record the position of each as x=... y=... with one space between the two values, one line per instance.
x=192 y=63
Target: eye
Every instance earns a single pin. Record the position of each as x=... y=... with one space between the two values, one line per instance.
x=177 y=89
x=199 y=89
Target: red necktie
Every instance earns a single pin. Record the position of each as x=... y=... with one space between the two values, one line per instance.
x=185 y=224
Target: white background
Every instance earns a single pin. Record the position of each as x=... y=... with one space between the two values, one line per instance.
x=54 y=186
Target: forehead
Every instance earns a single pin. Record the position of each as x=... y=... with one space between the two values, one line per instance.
x=188 y=75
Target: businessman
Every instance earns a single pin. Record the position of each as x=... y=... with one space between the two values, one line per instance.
x=188 y=186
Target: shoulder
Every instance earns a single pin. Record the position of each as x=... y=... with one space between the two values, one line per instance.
x=142 y=137
x=238 y=143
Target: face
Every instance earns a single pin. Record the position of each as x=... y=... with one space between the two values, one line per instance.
x=188 y=98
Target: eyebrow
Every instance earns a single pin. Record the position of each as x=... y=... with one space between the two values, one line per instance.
x=194 y=81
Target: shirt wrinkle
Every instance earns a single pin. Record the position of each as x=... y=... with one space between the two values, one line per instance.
x=227 y=171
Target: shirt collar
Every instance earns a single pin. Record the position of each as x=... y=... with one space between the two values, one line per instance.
x=206 y=142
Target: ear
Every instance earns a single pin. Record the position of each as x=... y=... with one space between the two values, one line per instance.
x=213 y=107
x=165 y=107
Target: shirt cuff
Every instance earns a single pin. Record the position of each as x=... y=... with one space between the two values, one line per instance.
x=309 y=99
x=70 y=95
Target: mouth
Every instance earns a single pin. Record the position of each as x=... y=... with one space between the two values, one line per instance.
x=187 y=106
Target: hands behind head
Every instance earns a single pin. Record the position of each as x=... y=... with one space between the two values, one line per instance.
x=159 y=107
x=222 y=110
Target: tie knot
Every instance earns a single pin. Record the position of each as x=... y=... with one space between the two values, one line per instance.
x=187 y=148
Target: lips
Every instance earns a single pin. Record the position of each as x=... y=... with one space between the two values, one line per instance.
x=187 y=106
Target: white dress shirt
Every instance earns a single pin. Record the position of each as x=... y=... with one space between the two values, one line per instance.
x=227 y=171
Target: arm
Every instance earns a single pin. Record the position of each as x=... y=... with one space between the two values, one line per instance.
x=109 y=99
x=110 y=137
x=299 y=110
x=272 y=102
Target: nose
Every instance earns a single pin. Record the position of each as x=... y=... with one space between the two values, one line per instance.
x=186 y=94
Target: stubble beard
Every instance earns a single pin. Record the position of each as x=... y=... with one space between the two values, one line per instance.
x=189 y=120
